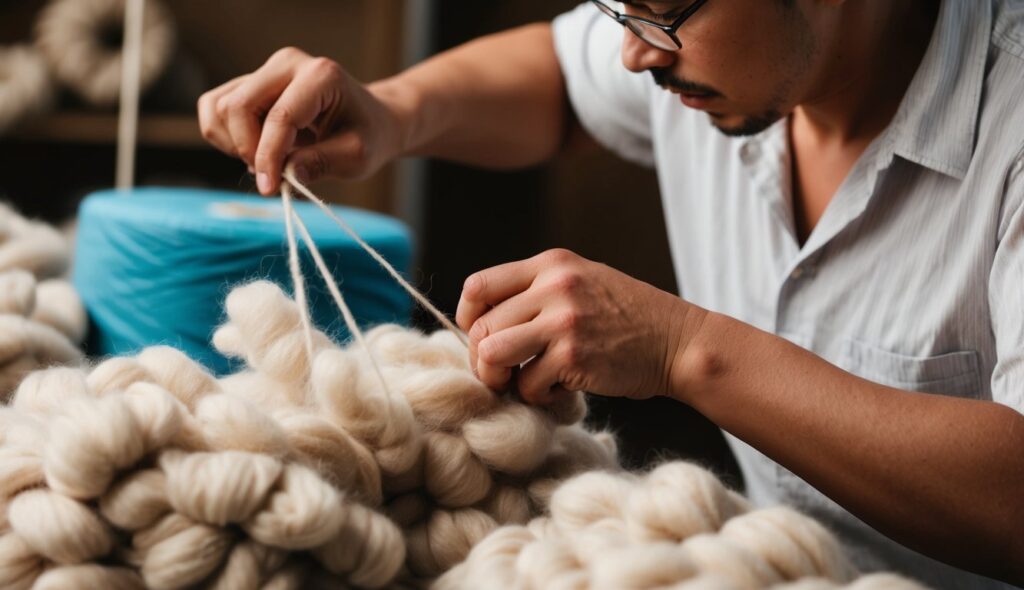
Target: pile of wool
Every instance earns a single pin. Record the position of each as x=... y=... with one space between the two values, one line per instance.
x=315 y=467
x=149 y=472
x=41 y=315
x=676 y=528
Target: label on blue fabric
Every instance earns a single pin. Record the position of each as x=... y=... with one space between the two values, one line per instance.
x=237 y=210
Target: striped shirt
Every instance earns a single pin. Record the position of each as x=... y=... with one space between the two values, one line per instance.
x=913 y=277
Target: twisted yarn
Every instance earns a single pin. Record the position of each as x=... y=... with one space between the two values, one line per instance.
x=41 y=316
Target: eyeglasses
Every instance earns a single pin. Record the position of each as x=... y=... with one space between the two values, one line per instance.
x=658 y=35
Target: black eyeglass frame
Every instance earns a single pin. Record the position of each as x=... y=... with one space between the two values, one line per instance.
x=670 y=30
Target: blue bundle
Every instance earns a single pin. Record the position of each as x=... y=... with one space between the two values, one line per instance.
x=154 y=265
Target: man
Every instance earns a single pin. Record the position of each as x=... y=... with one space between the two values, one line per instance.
x=843 y=183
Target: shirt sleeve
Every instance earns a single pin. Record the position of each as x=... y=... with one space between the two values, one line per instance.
x=612 y=103
x=1006 y=298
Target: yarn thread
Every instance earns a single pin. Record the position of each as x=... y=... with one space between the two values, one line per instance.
x=289 y=175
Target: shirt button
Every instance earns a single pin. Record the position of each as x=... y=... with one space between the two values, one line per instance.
x=749 y=152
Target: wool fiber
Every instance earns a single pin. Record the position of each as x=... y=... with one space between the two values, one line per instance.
x=41 y=317
x=380 y=464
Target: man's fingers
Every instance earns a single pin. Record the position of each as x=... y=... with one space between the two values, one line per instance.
x=490 y=287
x=539 y=378
x=244 y=127
x=243 y=109
x=342 y=155
x=213 y=128
x=514 y=346
x=315 y=91
x=518 y=309
x=496 y=378
x=497 y=356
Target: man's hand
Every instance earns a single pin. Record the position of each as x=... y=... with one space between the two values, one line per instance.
x=574 y=323
x=303 y=108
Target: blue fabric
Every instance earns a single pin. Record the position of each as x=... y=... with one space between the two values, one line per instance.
x=154 y=265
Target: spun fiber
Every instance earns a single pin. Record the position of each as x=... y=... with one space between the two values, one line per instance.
x=81 y=41
x=41 y=316
x=25 y=85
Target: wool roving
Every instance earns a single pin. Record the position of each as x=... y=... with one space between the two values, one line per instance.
x=25 y=85
x=41 y=316
x=676 y=527
x=81 y=41
x=149 y=472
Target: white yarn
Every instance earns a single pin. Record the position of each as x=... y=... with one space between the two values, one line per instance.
x=676 y=527
x=69 y=33
x=25 y=85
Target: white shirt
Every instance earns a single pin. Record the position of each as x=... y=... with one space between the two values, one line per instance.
x=913 y=277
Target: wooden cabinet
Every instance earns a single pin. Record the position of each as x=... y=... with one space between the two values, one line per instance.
x=48 y=163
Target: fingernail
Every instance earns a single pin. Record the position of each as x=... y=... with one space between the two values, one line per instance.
x=263 y=182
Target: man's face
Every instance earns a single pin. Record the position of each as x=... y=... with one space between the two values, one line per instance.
x=747 y=63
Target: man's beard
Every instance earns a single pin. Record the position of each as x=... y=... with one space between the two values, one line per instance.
x=751 y=125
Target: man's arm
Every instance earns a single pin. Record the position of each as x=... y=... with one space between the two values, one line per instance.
x=942 y=475
x=499 y=102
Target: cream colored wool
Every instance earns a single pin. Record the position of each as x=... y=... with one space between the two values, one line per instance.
x=427 y=432
x=31 y=246
x=25 y=85
x=676 y=527
x=69 y=33
x=150 y=471
x=41 y=315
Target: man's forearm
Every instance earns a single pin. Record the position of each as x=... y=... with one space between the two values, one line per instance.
x=498 y=101
x=942 y=475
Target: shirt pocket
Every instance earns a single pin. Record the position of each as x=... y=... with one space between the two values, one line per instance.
x=954 y=373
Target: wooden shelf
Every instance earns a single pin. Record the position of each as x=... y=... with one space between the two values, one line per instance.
x=165 y=130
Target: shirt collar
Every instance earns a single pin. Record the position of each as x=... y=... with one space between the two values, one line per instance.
x=936 y=123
